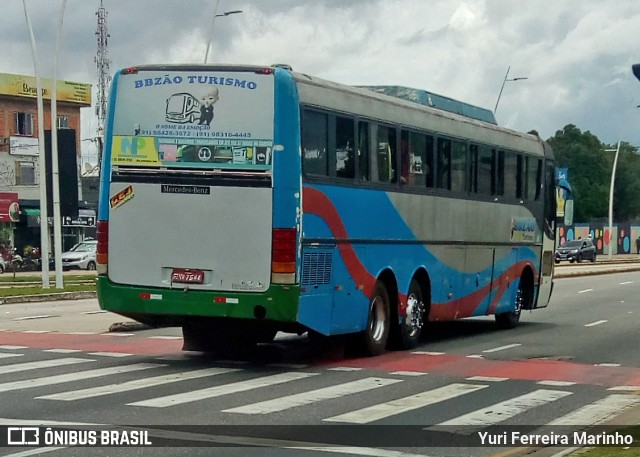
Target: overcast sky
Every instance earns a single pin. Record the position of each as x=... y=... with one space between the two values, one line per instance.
x=576 y=54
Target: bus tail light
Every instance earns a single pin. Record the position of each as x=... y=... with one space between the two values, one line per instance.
x=283 y=256
x=102 y=252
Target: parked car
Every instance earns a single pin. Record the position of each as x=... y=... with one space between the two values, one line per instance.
x=82 y=256
x=576 y=251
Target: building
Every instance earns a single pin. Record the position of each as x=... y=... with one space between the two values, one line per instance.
x=19 y=165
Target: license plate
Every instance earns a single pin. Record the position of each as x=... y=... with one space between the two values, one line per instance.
x=188 y=276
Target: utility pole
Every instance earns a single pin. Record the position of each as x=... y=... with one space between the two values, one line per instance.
x=103 y=64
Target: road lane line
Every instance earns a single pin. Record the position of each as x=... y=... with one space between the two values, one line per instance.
x=62 y=351
x=9 y=347
x=598 y=411
x=626 y=282
x=593 y=324
x=41 y=316
x=499 y=412
x=502 y=348
x=403 y=405
x=136 y=384
x=556 y=383
x=584 y=291
x=486 y=379
x=427 y=353
x=162 y=337
x=224 y=389
x=4 y=355
x=110 y=354
x=312 y=396
x=69 y=377
x=41 y=364
x=625 y=388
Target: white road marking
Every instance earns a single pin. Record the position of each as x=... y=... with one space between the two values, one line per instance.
x=403 y=405
x=36 y=331
x=37 y=451
x=313 y=396
x=137 y=384
x=4 y=355
x=409 y=373
x=475 y=356
x=344 y=369
x=224 y=389
x=502 y=348
x=486 y=378
x=110 y=354
x=593 y=324
x=626 y=282
x=162 y=337
x=625 y=388
x=62 y=351
x=40 y=364
x=427 y=353
x=70 y=377
x=597 y=412
x=607 y=364
x=6 y=346
x=499 y=412
x=118 y=334
x=584 y=291
x=94 y=312
x=41 y=316
x=556 y=383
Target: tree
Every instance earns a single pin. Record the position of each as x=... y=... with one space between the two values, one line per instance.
x=589 y=170
x=590 y=174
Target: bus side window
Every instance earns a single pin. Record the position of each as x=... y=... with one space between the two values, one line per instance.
x=314 y=143
x=363 y=151
x=345 y=160
x=443 y=170
x=384 y=160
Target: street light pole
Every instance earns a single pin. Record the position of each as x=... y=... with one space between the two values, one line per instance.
x=215 y=15
x=506 y=78
x=613 y=182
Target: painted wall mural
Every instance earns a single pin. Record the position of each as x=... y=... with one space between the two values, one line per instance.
x=623 y=236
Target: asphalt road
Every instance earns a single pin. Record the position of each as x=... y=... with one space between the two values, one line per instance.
x=574 y=362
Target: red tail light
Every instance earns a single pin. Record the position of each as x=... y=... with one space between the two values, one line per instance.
x=102 y=252
x=130 y=71
x=283 y=252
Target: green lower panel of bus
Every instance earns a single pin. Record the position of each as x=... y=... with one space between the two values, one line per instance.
x=149 y=304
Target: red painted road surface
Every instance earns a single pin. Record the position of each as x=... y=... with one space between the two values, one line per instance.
x=447 y=364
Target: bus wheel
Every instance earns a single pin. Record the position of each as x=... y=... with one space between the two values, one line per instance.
x=374 y=339
x=410 y=328
x=511 y=319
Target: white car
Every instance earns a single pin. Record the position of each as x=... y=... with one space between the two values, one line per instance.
x=82 y=256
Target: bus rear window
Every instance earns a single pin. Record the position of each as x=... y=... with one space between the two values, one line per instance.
x=193 y=119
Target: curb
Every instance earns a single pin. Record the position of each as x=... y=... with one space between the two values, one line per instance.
x=47 y=297
x=574 y=274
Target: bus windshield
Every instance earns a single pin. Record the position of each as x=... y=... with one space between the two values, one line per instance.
x=193 y=119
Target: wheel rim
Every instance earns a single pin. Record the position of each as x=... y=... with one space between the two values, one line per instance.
x=415 y=314
x=378 y=318
x=519 y=302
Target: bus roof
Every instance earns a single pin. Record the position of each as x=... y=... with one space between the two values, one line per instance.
x=435 y=101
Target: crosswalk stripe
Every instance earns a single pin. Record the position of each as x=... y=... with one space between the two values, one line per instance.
x=221 y=390
x=69 y=377
x=4 y=355
x=137 y=384
x=313 y=396
x=402 y=405
x=598 y=411
x=5 y=369
x=499 y=412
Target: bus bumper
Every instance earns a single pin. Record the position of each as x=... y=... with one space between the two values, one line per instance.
x=171 y=306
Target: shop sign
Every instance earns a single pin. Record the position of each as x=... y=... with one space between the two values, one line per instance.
x=9 y=208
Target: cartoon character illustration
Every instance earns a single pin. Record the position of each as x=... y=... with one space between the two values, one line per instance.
x=206 y=106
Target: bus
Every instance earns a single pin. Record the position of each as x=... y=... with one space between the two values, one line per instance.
x=296 y=204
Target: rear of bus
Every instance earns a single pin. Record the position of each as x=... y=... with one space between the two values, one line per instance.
x=200 y=200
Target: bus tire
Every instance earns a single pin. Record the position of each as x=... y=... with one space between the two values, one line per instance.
x=512 y=318
x=410 y=327
x=373 y=341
